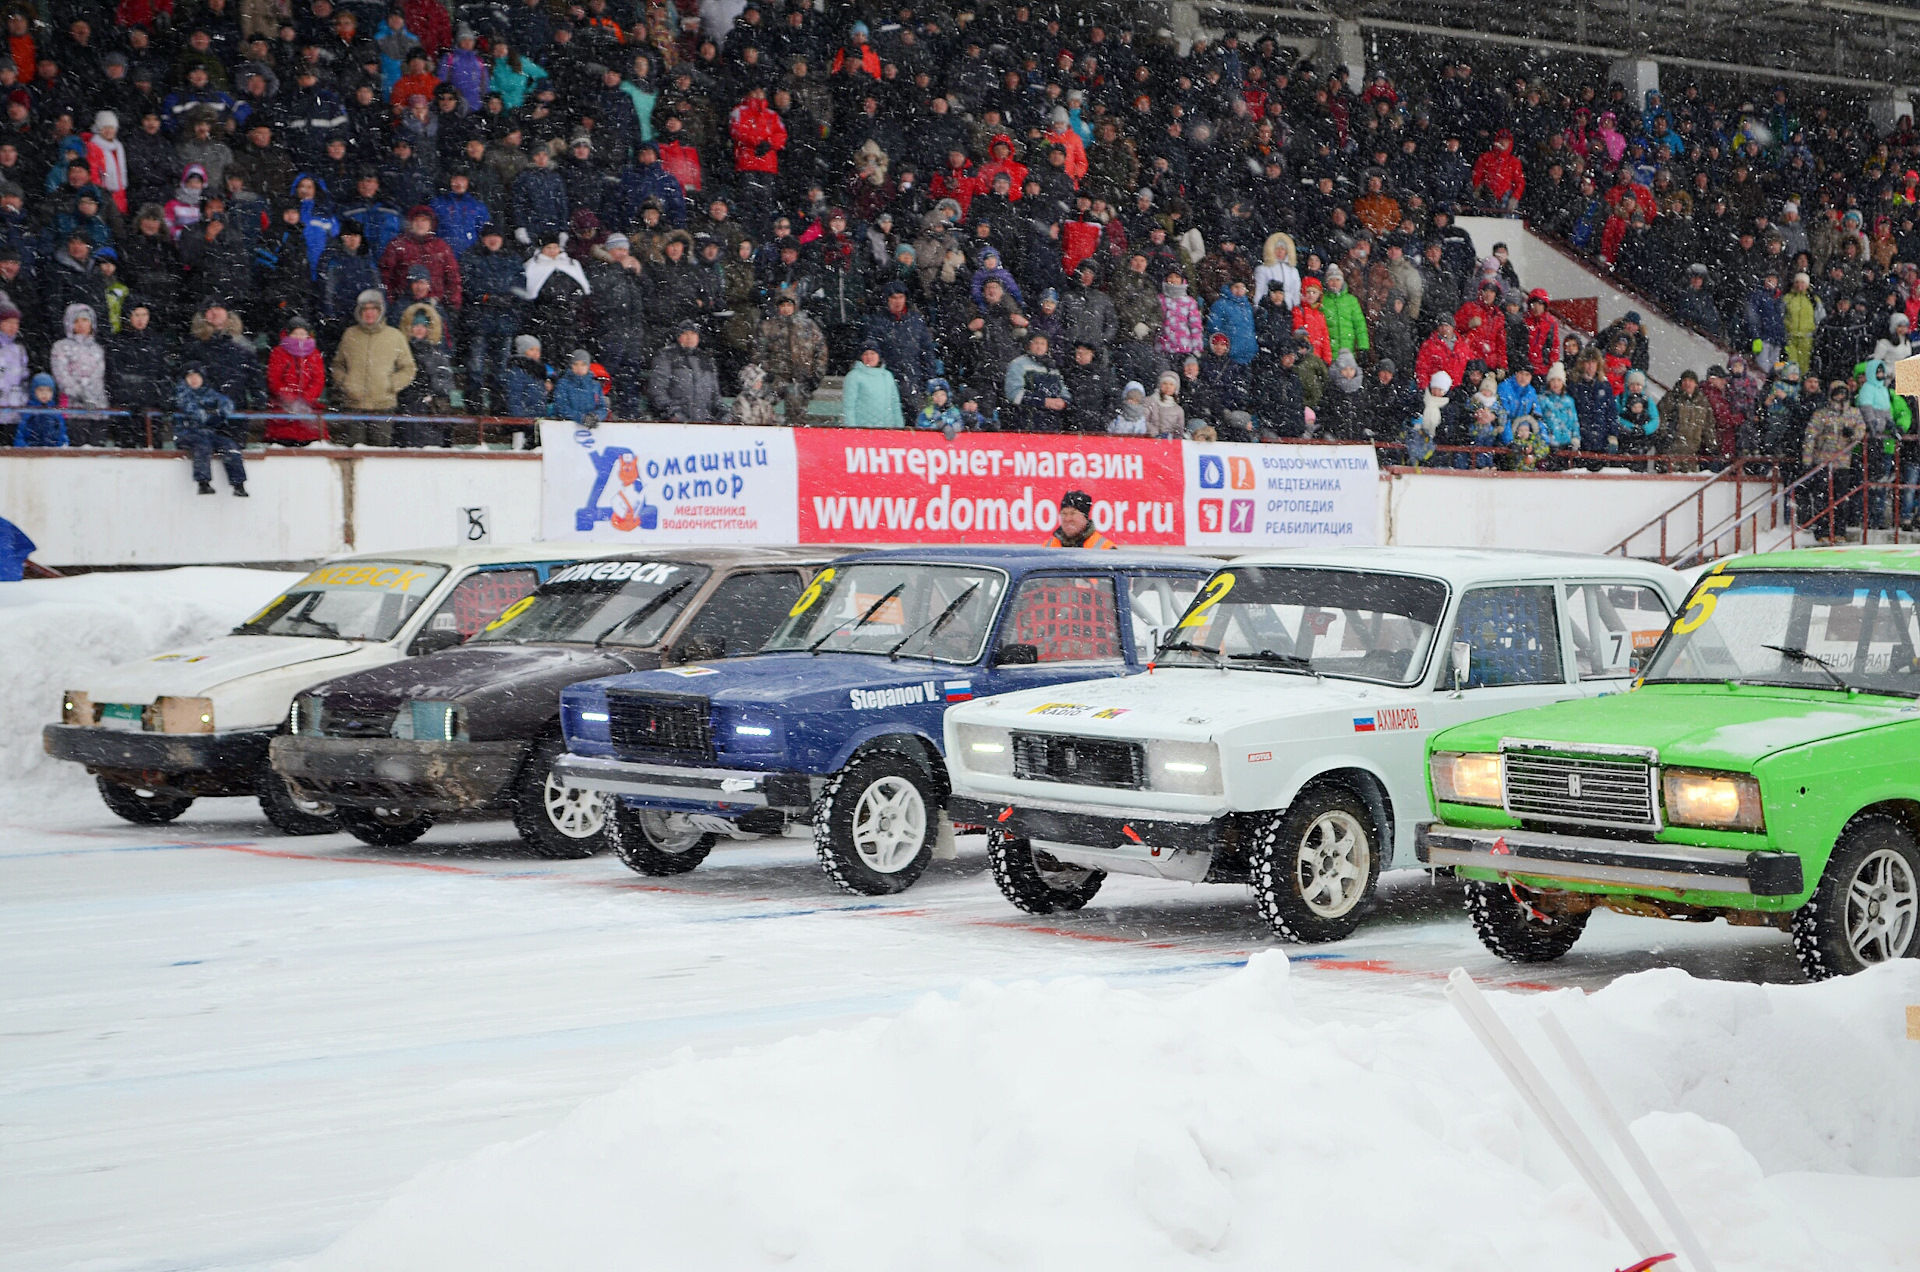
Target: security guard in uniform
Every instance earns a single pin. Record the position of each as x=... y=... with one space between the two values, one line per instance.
x=1076 y=524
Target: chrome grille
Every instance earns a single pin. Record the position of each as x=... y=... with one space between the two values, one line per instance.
x=1049 y=757
x=1592 y=788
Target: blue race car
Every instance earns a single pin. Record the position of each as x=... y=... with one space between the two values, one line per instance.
x=836 y=722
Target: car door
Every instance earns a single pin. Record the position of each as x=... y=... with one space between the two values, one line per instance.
x=1155 y=603
x=1612 y=627
x=738 y=615
x=1058 y=628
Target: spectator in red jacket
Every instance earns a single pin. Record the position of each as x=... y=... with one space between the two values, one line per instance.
x=1002 y=160
x=296 y=379
x=956 y=181
x=1482 y=325
x=1442 y=351
x=1543 y=334
x=1498 y=177
x=421 y=246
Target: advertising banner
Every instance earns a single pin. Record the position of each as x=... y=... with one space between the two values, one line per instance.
x=668 y=483
x=1247 y=496
x=886 y=487
x=705 y=483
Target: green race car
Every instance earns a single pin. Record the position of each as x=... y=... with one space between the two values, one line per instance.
x=1765 y=769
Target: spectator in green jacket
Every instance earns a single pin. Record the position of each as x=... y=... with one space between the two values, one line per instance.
x=1346 y=324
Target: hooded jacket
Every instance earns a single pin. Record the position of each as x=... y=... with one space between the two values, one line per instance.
x=579 y=398
x=430 y=251
x=871 y=398
x=373 y=362
x=41 y=426
x=79 y=363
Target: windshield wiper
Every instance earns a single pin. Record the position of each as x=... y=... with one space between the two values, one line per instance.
x=646 y=611
x=1802 y=656
x=932 y=629
x=872 y=609
x=1287 y=662
x=1188 y=646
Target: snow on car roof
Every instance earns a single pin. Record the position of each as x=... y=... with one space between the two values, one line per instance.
x=1897 y=557
x=1031 y=558
x=1467 y=566
x=560 y=550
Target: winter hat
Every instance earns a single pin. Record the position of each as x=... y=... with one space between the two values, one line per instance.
x=580 y=355
x=421 y=319
x=1133 y=387
x=351 y=226
x=524 y=345
x=43 y=379
x=8 y=311
x=617 y=240
x=936 y=384
x=418 y=274
x=1441 y=384
x=1059 y=116
x=1334 y=275
x=1386 y=364
x=105 y=119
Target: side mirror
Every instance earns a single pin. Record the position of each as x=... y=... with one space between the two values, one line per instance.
x=1462 y=663
x=433 y=640
x=1016 y=656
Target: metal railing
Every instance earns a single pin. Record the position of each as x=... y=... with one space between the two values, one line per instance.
x=1735 y=475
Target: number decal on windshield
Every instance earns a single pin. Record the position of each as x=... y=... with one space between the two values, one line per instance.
x=510 y=613
x=1215 y=592
x=1700 y=608
x=806 y=599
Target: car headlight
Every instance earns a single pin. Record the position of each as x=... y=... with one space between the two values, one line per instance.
x=431 y=722
x=1466 y=777
x=750 y=732
x=984 y=749
x=1719 y=801
x=184 y=715
x=76 y=707
x=303 y=717
x=1183 y=768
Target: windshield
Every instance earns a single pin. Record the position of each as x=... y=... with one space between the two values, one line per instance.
x=357 y=600
x=601 y=602
x=1346 y=623
x=942 y=612
x=1815 y=629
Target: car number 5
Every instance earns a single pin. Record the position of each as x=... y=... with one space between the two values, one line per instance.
x=1700 y=606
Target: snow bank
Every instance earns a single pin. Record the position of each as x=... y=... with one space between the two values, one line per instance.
x=53 y=632
x=1073 y=1125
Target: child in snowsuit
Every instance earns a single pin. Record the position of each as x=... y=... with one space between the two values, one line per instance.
x=431 y=392
x=753 y=404
x=939 y=412
x=577 y=395
x=42 y=423
x=202 y=424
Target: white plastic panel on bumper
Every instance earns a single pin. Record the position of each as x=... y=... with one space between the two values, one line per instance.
x=1186 y=864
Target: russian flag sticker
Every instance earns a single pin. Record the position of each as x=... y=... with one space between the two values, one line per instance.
x=1363 y=724
x=959 y=690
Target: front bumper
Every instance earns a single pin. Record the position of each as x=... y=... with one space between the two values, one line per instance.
x=683 y=787
x=197 y=763
x=1141 y=841
x=1613 y=863
x=437 y=777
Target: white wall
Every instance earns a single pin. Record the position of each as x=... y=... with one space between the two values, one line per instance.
x=141 y=509
x=1671 y=348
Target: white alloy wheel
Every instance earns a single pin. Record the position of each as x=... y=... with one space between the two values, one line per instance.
x=889 y=824
x=1883 y=904
x=670 y=832
x=1332 y=863
x=574 y=811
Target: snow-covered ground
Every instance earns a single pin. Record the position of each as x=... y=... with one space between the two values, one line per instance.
x=225 y=1049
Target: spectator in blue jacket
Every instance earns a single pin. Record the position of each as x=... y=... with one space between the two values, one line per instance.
x=348 y=266
x=1518 y=396
x=527 y=380
x=1232 y=315
x=202 y=424
x=577 y=395
x=539 y=199
x=1766 y=316
x=43 y=423
x=649 y=179
x=1593 y=405
x=458 y=213
x=379 y=219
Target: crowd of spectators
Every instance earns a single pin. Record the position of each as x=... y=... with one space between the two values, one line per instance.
x=984 y=217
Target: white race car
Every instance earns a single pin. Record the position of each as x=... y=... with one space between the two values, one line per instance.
x=1279 y=737
x=161 y=731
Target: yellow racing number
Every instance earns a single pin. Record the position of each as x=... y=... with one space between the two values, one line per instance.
x=812 y=594
x=1216 y=589
x=1700 y=604
x=510 y=613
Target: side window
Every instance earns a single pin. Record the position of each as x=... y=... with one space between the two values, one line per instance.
x=1615 y=626
x=740 y=615
x=478 y=599
x=1513 y=636
x=1062 y=620
x=1155 y=604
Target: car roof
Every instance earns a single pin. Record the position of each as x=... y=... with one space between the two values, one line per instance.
x=1468 y=566
x=1021 y=559
x=1897 y=557
x=511 y=553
